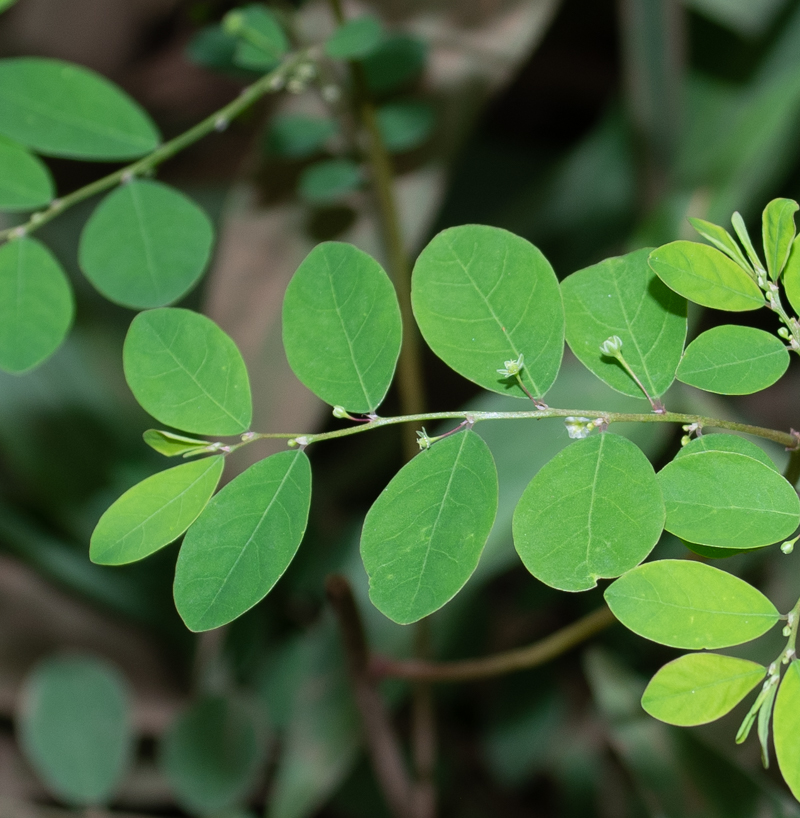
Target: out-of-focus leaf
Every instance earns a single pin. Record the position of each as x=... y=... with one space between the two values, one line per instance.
x=263 y=40
x=397 y=62
x=749 y=18
x=25 y=181
x=326 y=181
x=355 y=39
x=213 y=47
x=405 y=125
x=6 y=4
x=299 y=135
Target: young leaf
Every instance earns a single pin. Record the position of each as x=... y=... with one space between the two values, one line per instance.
x=727 y=499
x=689 y=605
x=186 y=372
x=726 y=443
x=395 y=64
x=36 y=304
x=622 y=296
x=298 y=135
x=424 y=535
x=722 y=240
x=341 y=326
x=786 y=727
x=595 y=510
x=699 y=688
x=172 y=445
x=243 y=542
x=791 y=276
x=355 y=39
x=733 y=360
x=405 y=125
x=61 y=109
x=327 y=181
x=154 y=512
x=25 y=181
x=75 y=728
x=263 y=41
x=740 y=229
x=145 y=245
x=482 y=296
x=778 y=232
x=704 y=275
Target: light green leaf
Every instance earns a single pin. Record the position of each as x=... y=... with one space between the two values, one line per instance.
x=355 y=39
x=263 y=41
x=395 y=64
x=341 y=326
x=298 y=135
x=734 y=360
x=172 y=445
x=791 y=276
x=622 y=296
x=778 y=232
x=154 y=512
x=186 y=372
x=740 y=228
x=727 y=499
x=36 y=304
x=145 y=245
x=75 y=728
x=722 y=240
x=61 y=109
x=700 y=687
x=25 y=181
x=405 y=125
x=6 y=4
x=720 y=442
x=325 y=182
x=424 y=535
x=595 y=510
x=243 y=542
x=786 y=727
x=482 y=296
x=704 y=275
x=689 y=605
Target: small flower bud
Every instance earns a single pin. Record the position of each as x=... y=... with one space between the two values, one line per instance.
x=423 y=440
x=784 y=333
x=512 y=368
x=579 y=428
x=612 y=347
x=340 y=412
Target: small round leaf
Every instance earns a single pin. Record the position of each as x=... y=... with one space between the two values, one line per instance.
x=25 y=181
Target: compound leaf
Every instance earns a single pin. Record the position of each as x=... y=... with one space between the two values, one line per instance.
x=689 y=605
x=25 y=181
x=186 y=372
x=720 y=442
x=424 y=535
x=145 y=245
x=786 y=727
x=243 y=541
x=778 y=234
x=482 y=296
x=154 y=512
x=355 y=39
x=341 y=326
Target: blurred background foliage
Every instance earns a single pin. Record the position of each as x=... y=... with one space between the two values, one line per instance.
x=589 y=129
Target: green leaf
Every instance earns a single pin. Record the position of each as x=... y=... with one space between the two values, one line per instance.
x=298 y=135
x=726 y=443
x=145 y=245
x=595 y=510
x=424 y=535
x=714 y=553
x=778 y=232
x=186 y=372
x=786 y=727
x=689 y=605
x=154 y=512
x=722 y=240
x=355 y=39
x=25 y=181
x=482 y=296
x=213 y=47
x=734 y=360
x=75 y=728
x=243 y=542
x=61 y=109
x=341 y=326
x=172 y=445
x=704 y=275
x=6 y=4
x=36 y=304
x=211 y=754
x=395 y=64
x=405 y=125
x=727 y=499
x=622 y=296
x=740 y=229
x=700 y=687
x=263 y=41
x=327 y=181
x=791 y=276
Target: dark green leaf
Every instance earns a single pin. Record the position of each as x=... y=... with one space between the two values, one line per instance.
x=341 y=327
x=299 y=135
x=263 y=40
x=778 y=234
x=154 y=512
x=213 y=47
x=786 y=727
x=171 y=445
x=355 y=39
x=424 y=535
x=726 y=443
x=36 y=304
x=186 y=372
x=397 y=62
x=61 y=109
x=25 y=182
x=595 y=510
x=243 y=541
x=145 y=245
x=405 y=125
x=689 y=605
x=722 y=240
x=325 y=182
x=483 y=296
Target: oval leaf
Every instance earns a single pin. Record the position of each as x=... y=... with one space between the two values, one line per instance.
x=154 y=512
x=778 y=234
x=722 y=240
x=595 y=510
x=706 y=276
x=786 y=727
x=791 y=276
x=355 y=39
x=483 y=296
x=145 y=245
x=186 y=372
x=689 y=605
x=726 y=443
x=395 y=64
x=299 y=135
x=405 y=125
x=325 y=182
x=728 y=500
x=424 y=535
x=699 y=688
x=732 y=360
x=25 y=182
x=61 y=109
x=36 y=304
x=243 y=541
x=75 y=728
x=622 y=296
x=341 y=327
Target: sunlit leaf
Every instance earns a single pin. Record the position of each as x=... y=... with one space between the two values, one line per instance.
x=299 y=135
x=786 y=727
x=356 y=38
x=171 y=445
x=25 y=181
x=327 y=181
x=405 y=125
x=722 y=240
x=740 y=228
x=778 y=234
x=726 y=443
